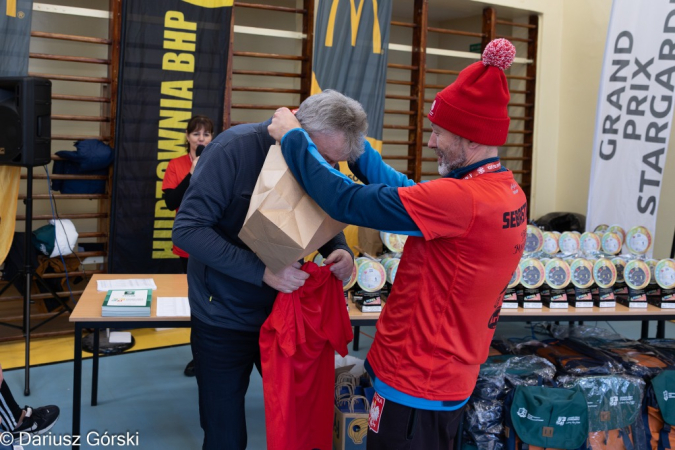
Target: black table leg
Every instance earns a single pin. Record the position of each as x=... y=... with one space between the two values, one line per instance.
x=357 y=334
x=661 y=329
x=94 y=370
x=645 y=329
x=77 y=381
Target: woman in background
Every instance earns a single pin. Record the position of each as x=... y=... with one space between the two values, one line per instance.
x=179 y=171
x=177 y=179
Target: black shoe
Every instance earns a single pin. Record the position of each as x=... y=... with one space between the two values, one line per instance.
x=190 y=369
x=37 y=420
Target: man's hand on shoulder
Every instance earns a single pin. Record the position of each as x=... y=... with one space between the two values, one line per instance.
x=342 y=264
x=282 y=122
x=287 y=280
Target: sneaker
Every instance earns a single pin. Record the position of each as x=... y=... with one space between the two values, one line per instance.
x=190 y=369
x=37 y=420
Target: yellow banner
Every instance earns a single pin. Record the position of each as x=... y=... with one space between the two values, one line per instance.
x=9 y=186
x=210 y=3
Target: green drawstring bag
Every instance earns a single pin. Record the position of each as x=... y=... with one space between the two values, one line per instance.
x=614 y=405
x=664 y=388
x=614 y=400
x=549 y=417
x=44 y=238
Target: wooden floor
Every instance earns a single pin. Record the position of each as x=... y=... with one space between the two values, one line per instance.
x=11 y=313
x=48 y=350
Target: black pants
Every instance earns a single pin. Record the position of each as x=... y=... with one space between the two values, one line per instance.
x=224 y=360
x=406 y=428
x=10 y=412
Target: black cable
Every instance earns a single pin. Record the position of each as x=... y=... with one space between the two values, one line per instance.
x=56 y=218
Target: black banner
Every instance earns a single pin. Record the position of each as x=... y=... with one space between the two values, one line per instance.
x=174 y=64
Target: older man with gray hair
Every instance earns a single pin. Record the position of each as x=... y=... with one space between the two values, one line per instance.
x=231 y=291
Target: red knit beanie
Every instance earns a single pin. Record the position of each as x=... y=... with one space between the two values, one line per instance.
x=475 y=106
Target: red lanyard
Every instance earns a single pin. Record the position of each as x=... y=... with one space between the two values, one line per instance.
x=485 y=168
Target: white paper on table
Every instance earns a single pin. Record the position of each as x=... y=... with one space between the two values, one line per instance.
x=173 y=307
x=130 y=284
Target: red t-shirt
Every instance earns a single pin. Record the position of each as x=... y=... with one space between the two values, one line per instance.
x=298 y=342
x=176 y=172
x=440 y=317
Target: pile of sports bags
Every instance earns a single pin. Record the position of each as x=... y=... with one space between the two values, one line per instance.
x=581 y=389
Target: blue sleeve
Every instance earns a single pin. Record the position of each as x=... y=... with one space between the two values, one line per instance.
x=370 y=169
x=194 y=230
x=374 y=206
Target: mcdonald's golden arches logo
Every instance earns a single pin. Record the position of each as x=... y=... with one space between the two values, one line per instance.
x=355 y=19
x=11 y=8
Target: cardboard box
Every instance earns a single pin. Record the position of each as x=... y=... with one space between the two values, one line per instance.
x=283 y=223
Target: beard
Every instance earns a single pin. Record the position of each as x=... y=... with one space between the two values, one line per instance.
x=452 y=159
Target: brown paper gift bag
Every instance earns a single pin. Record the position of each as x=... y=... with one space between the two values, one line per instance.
x=283 y=223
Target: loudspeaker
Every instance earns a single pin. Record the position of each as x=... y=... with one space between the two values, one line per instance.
x=25 y=121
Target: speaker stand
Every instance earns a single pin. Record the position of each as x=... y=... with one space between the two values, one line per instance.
x=28 y=273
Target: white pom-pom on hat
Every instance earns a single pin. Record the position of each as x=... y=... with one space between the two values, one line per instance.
x=499 y=53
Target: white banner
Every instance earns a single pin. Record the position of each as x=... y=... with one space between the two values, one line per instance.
x=635 y=110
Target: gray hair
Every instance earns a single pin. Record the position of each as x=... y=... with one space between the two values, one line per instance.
x=330 y=112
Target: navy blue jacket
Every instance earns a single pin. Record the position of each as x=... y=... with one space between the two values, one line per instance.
x=225 y=284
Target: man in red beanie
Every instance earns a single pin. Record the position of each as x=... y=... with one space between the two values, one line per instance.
x=467 y=231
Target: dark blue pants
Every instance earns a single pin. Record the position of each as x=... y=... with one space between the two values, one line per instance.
x=224 y=360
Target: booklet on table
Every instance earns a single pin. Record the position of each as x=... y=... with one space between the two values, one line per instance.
x=127 y=303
